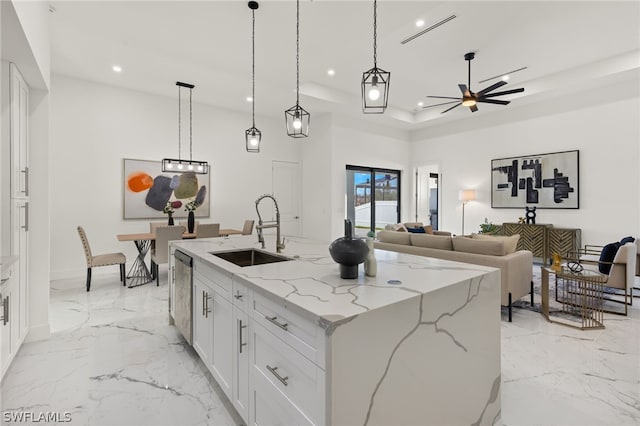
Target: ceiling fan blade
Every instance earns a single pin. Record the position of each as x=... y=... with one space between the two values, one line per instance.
x=506 y=92
x=464 y=90
x=447 y=110
x=443 y=97
x=492 y=87
x=493 y=101
x=444 y=103
x=473 y=108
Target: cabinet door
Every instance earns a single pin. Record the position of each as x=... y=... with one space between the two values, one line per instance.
x=19 y=128
x=563 y=241
x=241 y=363
x=202 y=332
x=20 y=248
x=171 y=278
x=5 y=328
x=222 y=353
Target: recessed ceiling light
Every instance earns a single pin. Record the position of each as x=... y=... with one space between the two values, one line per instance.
x=419 y=23
x=116 y=68
x=505 y=77
x=420 y=104
x=331 y=72
x=52 y=9
x=249 y=99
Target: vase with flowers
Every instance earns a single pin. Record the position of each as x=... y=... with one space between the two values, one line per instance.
x=169 y=208
x=191 y=207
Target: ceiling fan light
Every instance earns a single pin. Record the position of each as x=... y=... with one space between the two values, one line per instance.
x=468 y=102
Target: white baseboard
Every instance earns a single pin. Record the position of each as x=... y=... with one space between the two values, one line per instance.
x=38 y=332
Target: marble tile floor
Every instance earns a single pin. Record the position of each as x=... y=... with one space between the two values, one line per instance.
x=112 y=359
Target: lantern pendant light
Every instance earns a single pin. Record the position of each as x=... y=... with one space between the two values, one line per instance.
x=253 y=135
x=179 y=165
x=296 y=118
x=375 y=82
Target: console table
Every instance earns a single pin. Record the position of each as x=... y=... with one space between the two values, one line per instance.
x=543 y=239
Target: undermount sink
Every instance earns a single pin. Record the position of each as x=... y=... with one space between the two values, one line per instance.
x=250 y=257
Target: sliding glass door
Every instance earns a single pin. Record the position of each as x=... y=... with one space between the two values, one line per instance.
x=372 y=198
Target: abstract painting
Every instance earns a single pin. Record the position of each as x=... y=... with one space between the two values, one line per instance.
x=545 y=181
x=147 y=190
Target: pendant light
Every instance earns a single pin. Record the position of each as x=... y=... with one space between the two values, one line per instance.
x=253 y=135
x=296 y=118
x=179 y=165
x=375 y=82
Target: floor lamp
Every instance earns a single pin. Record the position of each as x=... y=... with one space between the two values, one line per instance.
x=466 y=195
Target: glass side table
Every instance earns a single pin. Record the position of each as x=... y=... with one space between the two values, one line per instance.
x=580 y=295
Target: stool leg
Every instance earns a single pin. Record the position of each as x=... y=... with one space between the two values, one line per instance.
x=88 y=278
x=509 y=307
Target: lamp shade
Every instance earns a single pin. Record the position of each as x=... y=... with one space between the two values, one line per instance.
x=465 y=195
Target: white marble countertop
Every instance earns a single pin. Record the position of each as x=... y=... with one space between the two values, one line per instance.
x=312 y=280
x=5 y=264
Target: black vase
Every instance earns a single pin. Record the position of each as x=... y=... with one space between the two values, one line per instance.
x=191 y=221
x=170 y=219
x=349 y=252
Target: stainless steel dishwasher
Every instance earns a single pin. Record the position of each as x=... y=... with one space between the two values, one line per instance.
x=183 y=292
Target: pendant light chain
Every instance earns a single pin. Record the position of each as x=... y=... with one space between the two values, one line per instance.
x=297 y=52
x=179 y=124
x=375 y=35
x=190 y=127
x=253 y=67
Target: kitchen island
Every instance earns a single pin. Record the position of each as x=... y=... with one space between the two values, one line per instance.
x=291 y=342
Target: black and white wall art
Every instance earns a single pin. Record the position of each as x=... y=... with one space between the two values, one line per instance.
x=545 y=181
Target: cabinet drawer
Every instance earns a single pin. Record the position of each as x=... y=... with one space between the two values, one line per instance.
x=300 y=333
x=241 y=295
x=271 y=407
x=297 y=378
x=220 y=281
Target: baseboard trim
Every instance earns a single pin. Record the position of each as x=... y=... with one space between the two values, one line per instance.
x=39 y=332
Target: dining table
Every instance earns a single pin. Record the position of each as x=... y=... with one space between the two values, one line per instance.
x=227 y=232
x=139 y=273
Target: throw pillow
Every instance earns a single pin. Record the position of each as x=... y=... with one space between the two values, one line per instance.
x=510 y=242
x=479 y=246
x=431 y=241
x=394 y=237
x=626 y=240
x=419 y=230
x=400 y=227
x=428 y=229
x=607 y=255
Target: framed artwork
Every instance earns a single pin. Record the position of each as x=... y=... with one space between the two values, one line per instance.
x=147 y=190
x=545 y=181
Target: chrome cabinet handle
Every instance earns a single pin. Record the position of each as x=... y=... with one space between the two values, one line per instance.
x=273 y=370
x=5 y=311
x=240 y=327
x=273 y=320
x=173 y=274
x=26 y=181
x=26 y=216
x=238 y=295
x=207 y=309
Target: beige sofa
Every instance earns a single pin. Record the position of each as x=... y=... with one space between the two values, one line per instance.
x=499 y=252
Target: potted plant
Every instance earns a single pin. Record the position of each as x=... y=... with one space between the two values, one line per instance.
x=487 y=227
x=169 y=208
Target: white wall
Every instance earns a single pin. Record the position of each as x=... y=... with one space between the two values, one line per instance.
x=606 y=132
x=369 y=148
x=95 y=126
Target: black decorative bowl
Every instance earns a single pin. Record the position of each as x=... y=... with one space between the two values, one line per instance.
x=349 y=252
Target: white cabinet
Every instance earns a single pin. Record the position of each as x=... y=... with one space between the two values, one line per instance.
x=20 y=248
x=240 y=385
x=19 y=133
x=11 y=329
x=172 y=288
x=213 y=323
x=202 y=319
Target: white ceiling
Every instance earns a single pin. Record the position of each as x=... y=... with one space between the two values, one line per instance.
x=208 y=43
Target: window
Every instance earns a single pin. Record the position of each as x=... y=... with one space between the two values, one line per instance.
x=373 y=198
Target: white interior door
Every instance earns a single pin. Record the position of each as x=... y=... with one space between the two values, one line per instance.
x=286 y=189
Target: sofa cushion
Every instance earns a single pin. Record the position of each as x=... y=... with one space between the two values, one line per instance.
x=413 y=224
x=394 y=237
x=479 y=246
x=510 y=242
x=431 y=241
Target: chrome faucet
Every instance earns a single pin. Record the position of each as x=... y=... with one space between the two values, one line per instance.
x=269 y=224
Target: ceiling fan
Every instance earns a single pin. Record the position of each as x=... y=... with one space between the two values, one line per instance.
x=470 y=98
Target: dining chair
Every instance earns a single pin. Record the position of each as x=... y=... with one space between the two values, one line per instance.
x=160 y=251
x=154 y=225
x=185 y=224
x=106 y=259
x=207 y=230
x=247 y=229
